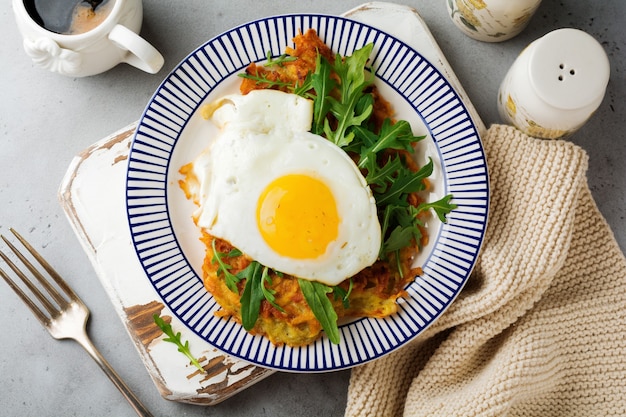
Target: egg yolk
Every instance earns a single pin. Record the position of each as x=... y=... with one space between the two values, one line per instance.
x=297 y=216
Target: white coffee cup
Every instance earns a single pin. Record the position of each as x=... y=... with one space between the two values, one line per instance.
x=113 y=41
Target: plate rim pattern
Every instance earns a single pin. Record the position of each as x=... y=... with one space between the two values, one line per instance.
x=458 y=144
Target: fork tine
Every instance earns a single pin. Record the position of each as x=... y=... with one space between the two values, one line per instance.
x=67 y=322
x=61 y=302
x=33 y=307
x=54 y=274
x=42 y=298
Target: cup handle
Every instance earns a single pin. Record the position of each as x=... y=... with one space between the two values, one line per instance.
x=140 y=54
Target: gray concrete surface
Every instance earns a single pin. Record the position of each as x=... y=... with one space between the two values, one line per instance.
x=45 y=119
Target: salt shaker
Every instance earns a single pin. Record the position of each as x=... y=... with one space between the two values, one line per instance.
x=491 y=20
x=555 y=84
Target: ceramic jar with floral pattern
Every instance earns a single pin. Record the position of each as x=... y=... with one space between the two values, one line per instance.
x=491 y=20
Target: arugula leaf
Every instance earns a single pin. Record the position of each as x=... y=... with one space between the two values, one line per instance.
x=406 y=227
x=403 y=224
x=441 y=207
x=392 y=136
x=252 y=294
x=262 y=79
x=303 y=89
x=406 y=182
x=269 y=293
x=315 y=294
x=323 y=84
x=354 y=80
x=175 y=339
x=380 y=178
x=255 y=291
x=279 y=60
x=343 y=295
x=223 y=268
x=406 y=223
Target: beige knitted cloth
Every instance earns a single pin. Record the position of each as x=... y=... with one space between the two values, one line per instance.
x=540 y=327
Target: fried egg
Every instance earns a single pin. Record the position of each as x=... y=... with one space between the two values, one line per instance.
x=287 y=198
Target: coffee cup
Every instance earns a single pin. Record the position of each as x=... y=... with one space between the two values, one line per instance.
x=82 y=38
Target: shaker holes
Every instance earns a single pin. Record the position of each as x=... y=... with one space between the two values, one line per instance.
x=571 y=72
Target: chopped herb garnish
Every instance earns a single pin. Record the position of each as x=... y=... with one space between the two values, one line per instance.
x=175 y=339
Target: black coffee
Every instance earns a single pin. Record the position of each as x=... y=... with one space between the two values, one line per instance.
x=68 y=16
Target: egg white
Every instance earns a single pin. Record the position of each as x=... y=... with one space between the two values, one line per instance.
x=265 y=135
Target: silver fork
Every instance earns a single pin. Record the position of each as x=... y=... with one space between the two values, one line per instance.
x=63 y=315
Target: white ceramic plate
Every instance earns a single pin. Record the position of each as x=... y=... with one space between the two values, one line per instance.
x=171 y=133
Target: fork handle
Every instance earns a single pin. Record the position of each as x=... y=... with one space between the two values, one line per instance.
x=137 y=405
